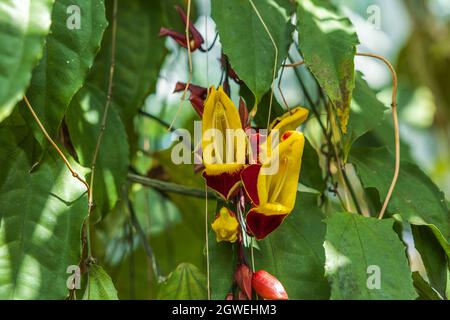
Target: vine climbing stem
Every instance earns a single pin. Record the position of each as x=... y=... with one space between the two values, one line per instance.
x=85 y=234
x=72 y=293
x=396 y=127
x=333 y=150
x=394 y=119
x=55 y=146
x=107 y=104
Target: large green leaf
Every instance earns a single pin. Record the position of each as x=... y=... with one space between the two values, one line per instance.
x=83 y=119
x=138 y=56
x=23 y=27
x=416 y=198
x=246 y=42
x=42 y=212
x=294 y=253
x=328 y=42
x=186 y=282
x=366 y=112
x=360 y=249
x=69 y=53
x=100 y=285
x=434 y=256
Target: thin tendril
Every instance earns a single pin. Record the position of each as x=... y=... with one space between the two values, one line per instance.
x=207 y=243
x=396 y=127
x=275 y=62
x=183 y=96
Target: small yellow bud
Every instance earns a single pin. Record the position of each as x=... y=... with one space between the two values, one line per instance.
x=226 y=226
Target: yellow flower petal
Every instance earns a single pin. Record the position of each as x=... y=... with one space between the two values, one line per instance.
x=226 y=226
x=290 y=120
x=223 y=139
x=278 y=178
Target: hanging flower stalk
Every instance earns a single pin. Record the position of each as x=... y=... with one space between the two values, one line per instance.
x=266 y=167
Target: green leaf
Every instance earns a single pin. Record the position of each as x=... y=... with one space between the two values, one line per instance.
x=311 y=173
x=294 y=252
x=328 y=42
x=423 y=288
x=139 y=54
x=42 y=212
x=358 y=250
x=416 y=198
x=83 y=120
x=222 y=263
x=69 y=54
x=366 y=112
x=246 y=42
x=262 y=115
x=185 y=283
x=100 y=285
x=23 y=27
x=222 y=266
x=433 y=256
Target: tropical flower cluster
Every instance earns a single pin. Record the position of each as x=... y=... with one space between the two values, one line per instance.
x=266 y=168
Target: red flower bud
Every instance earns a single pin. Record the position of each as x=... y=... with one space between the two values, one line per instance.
x=243 y=277
x=267 y=286
x=195 y=38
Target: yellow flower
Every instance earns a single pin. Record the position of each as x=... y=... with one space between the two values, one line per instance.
x=272 y=185
x=226 y=226
x=223 y=143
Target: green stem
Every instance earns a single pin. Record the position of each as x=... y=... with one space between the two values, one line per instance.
x=171 y=187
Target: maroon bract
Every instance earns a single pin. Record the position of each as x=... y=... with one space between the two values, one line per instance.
x=197 y=95
x=195 y=38
x=243 y=277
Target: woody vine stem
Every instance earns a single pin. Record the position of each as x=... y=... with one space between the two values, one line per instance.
x=394 y=118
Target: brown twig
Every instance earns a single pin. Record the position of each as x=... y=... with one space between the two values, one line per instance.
x=55 y=146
